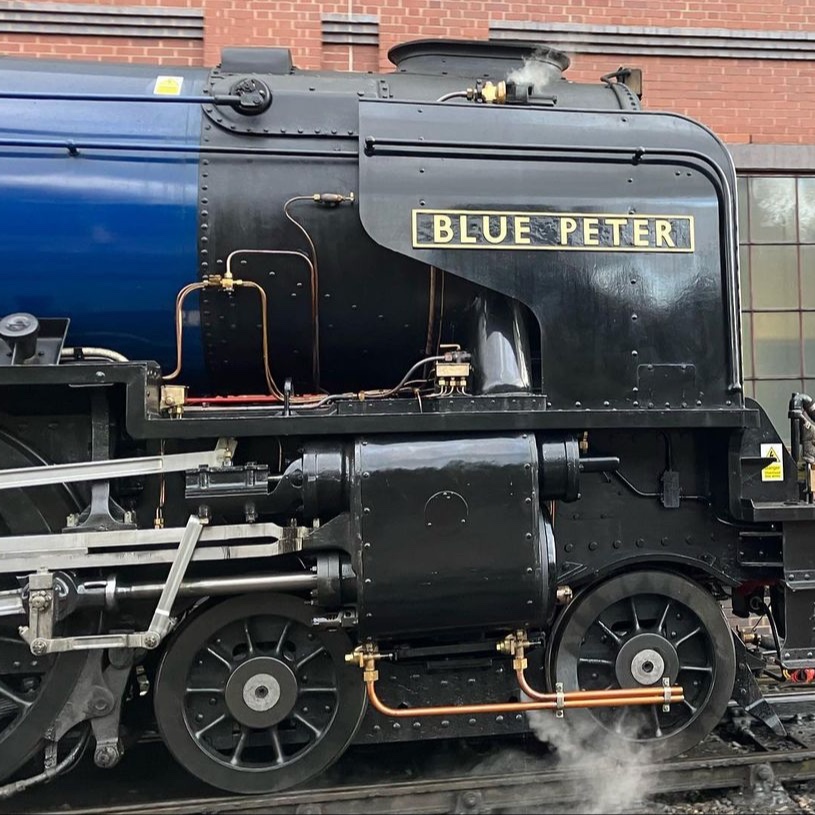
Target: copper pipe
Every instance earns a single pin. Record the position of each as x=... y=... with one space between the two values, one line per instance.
x=270 y=383
x=315 y=283
x=574 y=699
x=315 y=351
x=179 y=305
x=595 y=694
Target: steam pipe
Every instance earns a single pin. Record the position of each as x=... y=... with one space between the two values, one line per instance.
x=634 y=693
x=453 y=95
x=92 y=352
x=575 y=699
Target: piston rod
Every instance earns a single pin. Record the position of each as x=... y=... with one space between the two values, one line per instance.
x=201 y=587
x=110 y=593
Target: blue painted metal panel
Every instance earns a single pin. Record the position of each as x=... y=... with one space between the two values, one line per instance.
x=105 y=238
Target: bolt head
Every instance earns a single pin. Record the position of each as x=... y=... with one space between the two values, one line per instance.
x=39 y=647
x=106 y=757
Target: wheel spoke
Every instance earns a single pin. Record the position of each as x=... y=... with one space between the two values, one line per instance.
x=318 y=690
x=688 y=636
x=213 y=723
x=278 y=748
x=279 y=647
x=304 y=721
x=13 y=697
x=250 y=646
x=618 y=722
x=236 y=756
x=220 y=657
x=595 y=661
x=203 y=690
x=657 y=728
x=706 y=669
x=688 y=705
x=608 y=631
x=664 y=617
x=634 y=614
x=308 y=657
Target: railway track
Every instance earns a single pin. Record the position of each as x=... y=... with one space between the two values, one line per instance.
x=509 y=776
x=494 y=793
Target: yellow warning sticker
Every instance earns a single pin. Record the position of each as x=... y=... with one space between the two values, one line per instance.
x=774 y=471
x=168 y=85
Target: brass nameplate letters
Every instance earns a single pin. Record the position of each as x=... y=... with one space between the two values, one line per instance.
x=581 y=231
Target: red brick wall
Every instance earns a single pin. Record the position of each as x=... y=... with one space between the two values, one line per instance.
x=119 y=49
x=743 y=100
x=361 y=58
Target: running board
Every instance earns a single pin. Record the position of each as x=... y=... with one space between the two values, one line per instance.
x=118 y=468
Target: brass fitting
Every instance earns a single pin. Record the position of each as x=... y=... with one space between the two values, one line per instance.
x=747 y=636
x=494 y=94
x=172 y=399
x=224 y=282
x=365 y=656
x=514 y=645
x=332 y=199
x=564 y=595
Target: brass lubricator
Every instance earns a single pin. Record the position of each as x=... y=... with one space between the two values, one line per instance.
x=172 y=400
x=514 y=645
x=454 y=370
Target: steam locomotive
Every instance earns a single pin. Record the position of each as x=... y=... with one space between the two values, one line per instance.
x=342 y=408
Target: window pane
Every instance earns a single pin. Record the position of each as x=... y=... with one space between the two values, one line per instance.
x=806 y=210
x=774 y=275
x=807 y=254
x=772 y=210
x=808 y=320
x=744 y=277
x=774 y=397
x=747 y=344
x=741 y=192
x=778 y=344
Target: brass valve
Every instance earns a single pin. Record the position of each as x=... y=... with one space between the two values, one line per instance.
x=224 y=282
x=489 y=93
x=365 y=656
x=495 y=94
x=515 y=646
x=332 y=199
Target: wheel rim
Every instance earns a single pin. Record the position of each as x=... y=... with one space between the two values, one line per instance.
x=634 y=631
x=33 y=690
x=250 y=699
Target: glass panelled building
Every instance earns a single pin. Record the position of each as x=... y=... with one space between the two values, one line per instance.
x=777 y=260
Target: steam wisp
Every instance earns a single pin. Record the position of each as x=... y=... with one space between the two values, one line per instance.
x=609 y=771
x=536 y=72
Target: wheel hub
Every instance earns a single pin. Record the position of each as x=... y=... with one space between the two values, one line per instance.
x=645 y=659
x=261 y=692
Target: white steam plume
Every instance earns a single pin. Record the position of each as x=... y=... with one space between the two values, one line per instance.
x=536 y=72
x=610 y=773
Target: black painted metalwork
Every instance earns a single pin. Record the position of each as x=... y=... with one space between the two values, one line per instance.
x=632 y=631
x=585 y=436
x=250 y=698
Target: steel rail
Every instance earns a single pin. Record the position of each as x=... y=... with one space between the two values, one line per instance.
x=507 y=792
